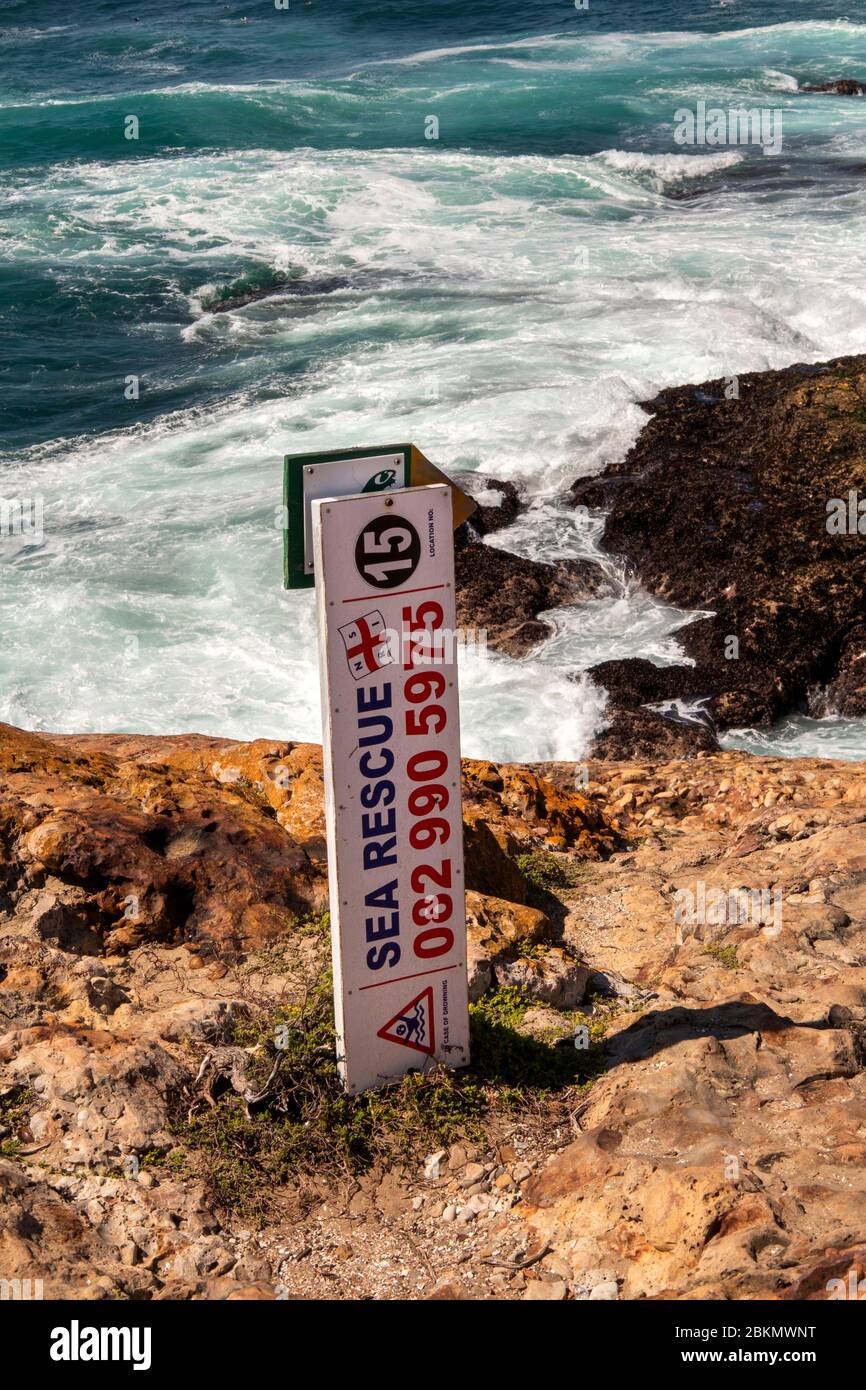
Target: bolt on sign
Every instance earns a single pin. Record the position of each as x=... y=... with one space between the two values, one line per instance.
x=384 y=564
x=341 y=473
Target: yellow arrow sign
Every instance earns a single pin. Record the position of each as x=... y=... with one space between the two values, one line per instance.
x=423 y=471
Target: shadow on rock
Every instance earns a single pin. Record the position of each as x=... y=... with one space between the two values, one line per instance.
x=655 y=1031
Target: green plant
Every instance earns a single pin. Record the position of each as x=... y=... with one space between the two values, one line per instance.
x=548 y=873
x=725 y=955
x=14 y=1111
x=505 y=1007
x=306 y=1124
x=281 y=958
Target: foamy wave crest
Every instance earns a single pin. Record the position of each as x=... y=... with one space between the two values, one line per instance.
x=432 y=55
x=566 y=713
x=780 y=81
x=670 y=168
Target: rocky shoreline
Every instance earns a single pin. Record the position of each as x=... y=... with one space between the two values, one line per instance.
x=666 y=946
x=741 y=499
x=714 y=1145
x=740 y=505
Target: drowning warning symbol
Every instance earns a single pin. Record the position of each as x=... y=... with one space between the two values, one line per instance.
x=413 y=1025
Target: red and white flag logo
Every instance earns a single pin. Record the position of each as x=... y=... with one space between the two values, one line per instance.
x=367 y=645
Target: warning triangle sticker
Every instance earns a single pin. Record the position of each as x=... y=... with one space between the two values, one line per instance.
x=413 y=1025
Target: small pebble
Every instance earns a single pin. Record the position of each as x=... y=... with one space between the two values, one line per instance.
x=472 y=1173
x=605 y=1293
x=553 y=1290
x=433 y=1165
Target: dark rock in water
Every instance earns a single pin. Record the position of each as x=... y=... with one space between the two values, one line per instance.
x=634 y=681
x=637 y=732
x=724 y=504
x=684 y=195
x=633 y=735
x=838 y=86
x=846 y=693
x=250 y=294
x=490 y=516
x=503 y=593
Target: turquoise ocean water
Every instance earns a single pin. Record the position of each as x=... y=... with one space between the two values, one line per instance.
x=502 y=294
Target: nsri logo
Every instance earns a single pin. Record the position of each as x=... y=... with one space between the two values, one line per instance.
x=367 y=643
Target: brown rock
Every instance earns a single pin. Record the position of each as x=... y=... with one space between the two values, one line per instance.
x=501 y=928
x=845 y=694
x=545 y=1290
x=44 y=1237
x=552 y=977
x=211 y=843
x=642 y=733
x=719 y=1153
x=502 y=594
x=207 y=863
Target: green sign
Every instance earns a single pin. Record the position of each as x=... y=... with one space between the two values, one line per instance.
x=335 y=473
x=344 y=473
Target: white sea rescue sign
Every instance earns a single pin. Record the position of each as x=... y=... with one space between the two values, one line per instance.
x=385 y=604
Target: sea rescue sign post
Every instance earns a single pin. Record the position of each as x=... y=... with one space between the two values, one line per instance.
x=383 y=567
